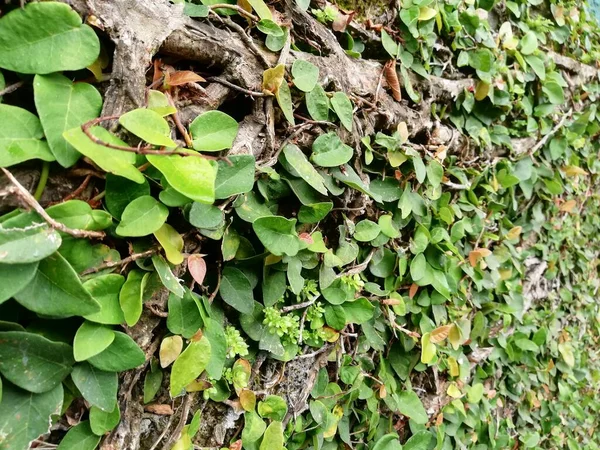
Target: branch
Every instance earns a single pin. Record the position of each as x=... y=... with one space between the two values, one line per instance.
x=237 y=8
x=554 y=130
x=32 y=203
x=146 y=150
x=238 y=88
x=300 y=305
x=11 y=88
x=121 y=262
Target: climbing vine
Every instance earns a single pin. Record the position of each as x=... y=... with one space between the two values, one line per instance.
x=414 y=267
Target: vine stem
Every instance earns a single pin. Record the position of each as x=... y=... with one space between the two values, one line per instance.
x=146 y=150
x=39 y=190
x=30 y=201
x=121 y=262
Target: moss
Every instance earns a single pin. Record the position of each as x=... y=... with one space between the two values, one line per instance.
x=365 y=8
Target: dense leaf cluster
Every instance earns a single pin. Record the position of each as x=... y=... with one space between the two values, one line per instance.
x=452 y=292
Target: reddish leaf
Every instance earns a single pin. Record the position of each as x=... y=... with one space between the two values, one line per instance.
x=183 y=77
x=391 y=76
x=341 y=22
x=413 y=290
x=197 y=268
x=162 y=410
x=306 y=238
x=237 y=445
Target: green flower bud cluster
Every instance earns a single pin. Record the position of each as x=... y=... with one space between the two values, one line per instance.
x=286 y=326
x=353 y=281
x=235 y=342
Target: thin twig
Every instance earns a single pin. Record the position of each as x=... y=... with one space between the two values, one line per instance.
x=359 y=267
x=214 y=294
x=554 y=130
x=187 y=403
x=458 y=187
x=248 y=41
x=32 y=203
x=80 y=189
x=313 y=354
x=122 y=262
x=11 y=88
x=163 y=434
x=314 y=122
x=237 y=8
x=229 y=84
x=300 y=305
x=178 y=124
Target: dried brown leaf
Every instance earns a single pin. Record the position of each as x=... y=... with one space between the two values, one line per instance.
x=197 y=268
x=391 y=76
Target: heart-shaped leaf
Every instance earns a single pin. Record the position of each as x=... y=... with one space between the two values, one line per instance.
x=52 y=39
x=142 y=217
x=63 y=105
x=189 y=365
x=20 y=137
x=213 y=131
x=149 y=126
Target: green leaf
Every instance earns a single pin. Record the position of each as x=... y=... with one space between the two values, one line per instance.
x=270 y=28
x=388 y=442
x=170 y=281
x=189 y=365
x=105 y=290
x=481 y=59
x=428 y=350
x=206 y=216
x=110 y=160
x=236 y=290
x=349 y=177
x=192 y=176
x=78 y=214
x=261 y=9
x=295 y=158
x=235 y=177
x=273 y=437
x=388 y=227
x=366 y=230
x=315 y=212
x=123 y=354
x=132 y=295
x=335 y=316
x=14 y=277
x=149 y=126
x=273 y=407
x=102 y=422
x=389 y=44
x=63 y=105
x=91 y=339
x=158 y=102
x=33 y=362
x=343 y=108
x=529 y=43
x=317 y=104
x=152 y=382
x=20 y=137
x=435 y=173
x=57 y=291
x=27 y=245
x=98 y=387
x=538 y=65
x=418 y=267
x=358 y=311
x=193 y=10
x=184 y=316
x=305 y=75
x=215 y=334
x=330 y=151
x=278 y=235
x=254 y=427
x=419 y=441
x=554 y=92
x=284 y=99
x=276 y=43
x=25 y=416
x=410 y=405
x=142 y=217
x=171 y=242
x=51 y=39
x=213 y=131
x=80 y=437
x=426 y=13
